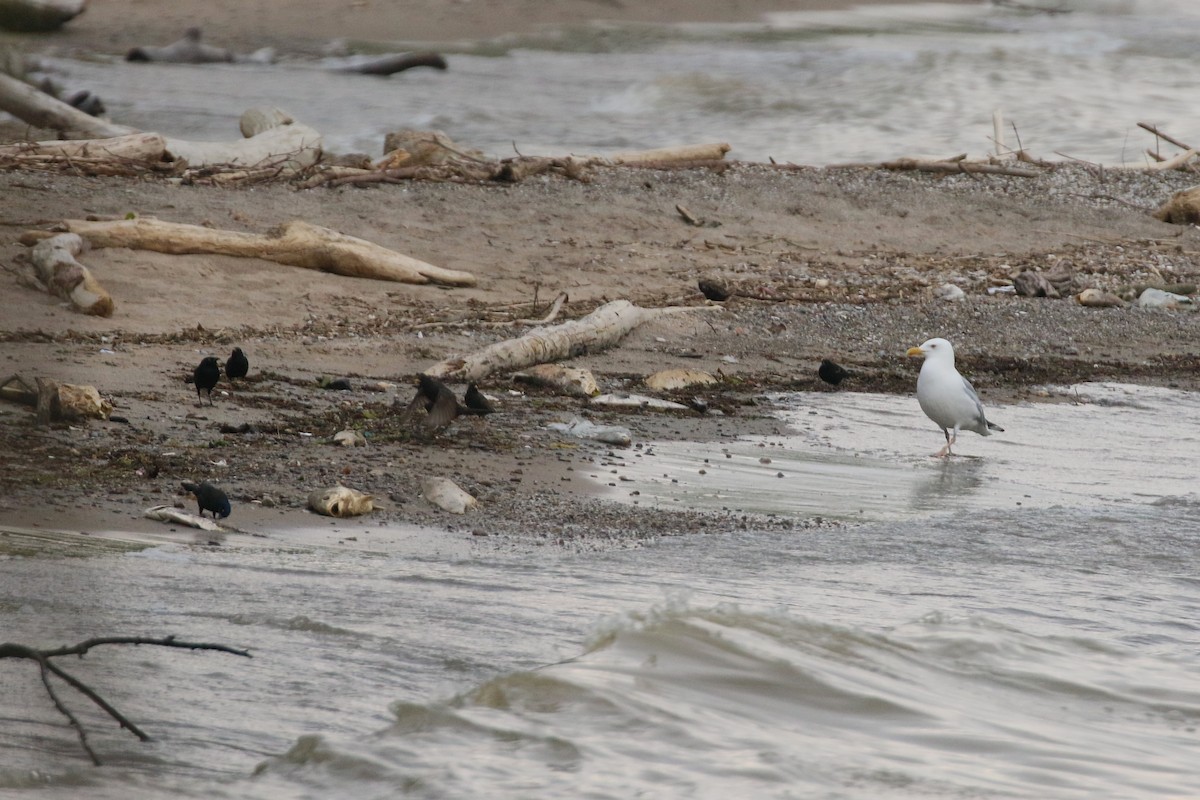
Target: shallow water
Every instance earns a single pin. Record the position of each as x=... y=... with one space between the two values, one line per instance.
x=955 y=643
x=810 y=88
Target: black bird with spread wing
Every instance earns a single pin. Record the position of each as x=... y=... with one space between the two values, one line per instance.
x=442 y=406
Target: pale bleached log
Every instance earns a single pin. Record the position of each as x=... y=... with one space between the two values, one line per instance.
x=40 y=110
x=688 y=152
x=132 y=147
x=32 y=16
x=290 y=147
x=296 y=244
x=57 y=269
x=599 y=330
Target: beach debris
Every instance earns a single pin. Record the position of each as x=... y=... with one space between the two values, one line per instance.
x=384 y=65
x=296 y=243
x=956 y=164
x=447 y=495
x=277 y=150
x=1157 y=298
x=191 y=50
x=350 y=438
x=601 y=329
x=38 y=16
x=54 y=263
x=624 y=400
x=571 y=381
x=410 y=148
x=340 y=501
x=670 y=379
x=1098 y=298
x=1031 y=283
x=950 y=293
x=585 y=429
x=1182 y=209
x=177 y=516
x=55 y=401
x=461 y=164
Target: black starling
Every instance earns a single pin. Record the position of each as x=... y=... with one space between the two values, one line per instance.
x=831 y=373
x=237 y=364
x=209 y=498
x=206 y=376
x=440 y=403
x=477 y=401
x=714 y=290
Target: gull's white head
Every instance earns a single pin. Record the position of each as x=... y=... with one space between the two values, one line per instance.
x=934 y=350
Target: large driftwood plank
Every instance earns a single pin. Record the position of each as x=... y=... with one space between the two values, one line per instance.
x=298 y=244
x=599 y=330
x=133 y=147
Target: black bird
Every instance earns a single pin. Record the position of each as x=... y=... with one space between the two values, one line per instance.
x=209 y=498
x=206 y=376
x=237 y=365
x=831 y=373
x=477 y=401
x=441 y=405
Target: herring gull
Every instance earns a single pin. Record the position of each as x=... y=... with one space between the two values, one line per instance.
x=947 y=397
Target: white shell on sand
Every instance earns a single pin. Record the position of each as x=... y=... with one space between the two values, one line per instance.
x=446 y=495
x=669 y=379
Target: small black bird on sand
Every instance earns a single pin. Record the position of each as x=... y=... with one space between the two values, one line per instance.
x=206 y=376
x=237 y=365
x=477 y=401
x=442 y=406
x=832 y=373
x=209 y=498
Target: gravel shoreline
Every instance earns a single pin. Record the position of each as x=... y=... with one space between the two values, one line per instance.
x=825 y=263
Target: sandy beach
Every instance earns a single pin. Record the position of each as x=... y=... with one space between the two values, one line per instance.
x=838 y=263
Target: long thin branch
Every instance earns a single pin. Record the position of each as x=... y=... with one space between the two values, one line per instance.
x=44 y=671
x=42 y=657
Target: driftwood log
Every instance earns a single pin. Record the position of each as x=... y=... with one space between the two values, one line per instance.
x=55 y=401
x=32 y=16
x=275 y=139
x=56 y=267
x=599 y=330
x=187 y=50
x=296 y=244
x=953 y=166
x=387 y=64
x=31 y=105
x=665 y=155
x=131 y=147
x=49 y=668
